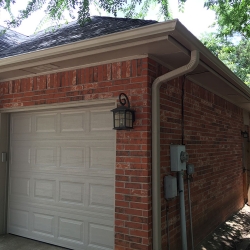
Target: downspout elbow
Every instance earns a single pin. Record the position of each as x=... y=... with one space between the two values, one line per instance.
x=156 y=181
x=190 y=66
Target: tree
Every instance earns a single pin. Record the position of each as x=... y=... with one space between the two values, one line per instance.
x=232 y=16
x=232 y=19
x=55 y=9
x=235 y=55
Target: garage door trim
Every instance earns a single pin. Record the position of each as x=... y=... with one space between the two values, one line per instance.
x=43 y=107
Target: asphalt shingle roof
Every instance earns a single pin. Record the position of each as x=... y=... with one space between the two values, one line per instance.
x=10 y=39
x=68 y=33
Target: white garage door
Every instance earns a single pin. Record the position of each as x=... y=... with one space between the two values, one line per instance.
x=61 y=187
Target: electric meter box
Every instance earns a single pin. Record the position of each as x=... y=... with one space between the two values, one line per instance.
x=178 y=157
x=170 y=187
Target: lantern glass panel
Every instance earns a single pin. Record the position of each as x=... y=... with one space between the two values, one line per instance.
x=129 y=119
x=122 y=119
x=117 y=120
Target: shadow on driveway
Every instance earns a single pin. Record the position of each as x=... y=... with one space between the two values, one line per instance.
x=232 y=234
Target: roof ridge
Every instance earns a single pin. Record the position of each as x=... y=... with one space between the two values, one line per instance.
x=11 y=30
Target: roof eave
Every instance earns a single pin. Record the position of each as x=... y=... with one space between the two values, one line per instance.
x=158 y=29
x=206 y=53
x=153 y=37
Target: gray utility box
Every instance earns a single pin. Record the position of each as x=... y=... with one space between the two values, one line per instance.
x=190 y=169
x=170 y=187
x=178 y=157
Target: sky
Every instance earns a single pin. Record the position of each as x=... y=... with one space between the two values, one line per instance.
x=196 y=18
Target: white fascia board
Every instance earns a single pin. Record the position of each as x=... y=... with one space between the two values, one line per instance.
x=158 y=29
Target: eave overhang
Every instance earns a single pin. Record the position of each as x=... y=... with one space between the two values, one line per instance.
x=169 y=43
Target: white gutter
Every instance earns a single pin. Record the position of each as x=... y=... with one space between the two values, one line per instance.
x=156 y=167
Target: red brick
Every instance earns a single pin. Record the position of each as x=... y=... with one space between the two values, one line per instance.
x=139 y=67
x=139 y=246
x=133 y=225
x=131 y=211
x=133 y=185
x=139 y=233
x=133 y=239
x=119 y=242
x=134 y=68
x=119 y=247
x=122 y=191
x=138 y=205
x=121 y=203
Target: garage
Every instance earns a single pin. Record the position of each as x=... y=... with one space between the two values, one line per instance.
x=61 y=177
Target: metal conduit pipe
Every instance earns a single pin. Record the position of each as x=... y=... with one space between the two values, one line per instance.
x=190 y=212
x=156 y=180
x=183 y=210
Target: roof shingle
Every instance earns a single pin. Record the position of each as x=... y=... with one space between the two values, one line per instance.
x=10 y=39
x=67 y=33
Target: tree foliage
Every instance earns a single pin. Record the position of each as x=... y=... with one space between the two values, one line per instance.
x=232 y=19
x=232 y=16
x=55 y=9
x=234 y=55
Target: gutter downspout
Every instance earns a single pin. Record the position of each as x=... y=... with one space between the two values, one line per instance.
x=156 y=180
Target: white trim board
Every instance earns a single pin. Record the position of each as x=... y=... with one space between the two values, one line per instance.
x=75 y=104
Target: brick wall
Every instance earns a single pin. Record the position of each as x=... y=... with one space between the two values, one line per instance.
x=133 y=220
x=212 y=137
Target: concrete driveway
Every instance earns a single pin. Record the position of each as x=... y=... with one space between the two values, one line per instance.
x=13 y=242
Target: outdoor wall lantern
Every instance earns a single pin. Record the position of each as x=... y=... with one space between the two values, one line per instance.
x=123 y=116
x=244 y=134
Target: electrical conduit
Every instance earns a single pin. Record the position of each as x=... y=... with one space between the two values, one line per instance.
x=183 y=211
x=156 y=180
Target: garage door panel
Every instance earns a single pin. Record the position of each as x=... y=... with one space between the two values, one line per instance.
x=100 y=236
x=20 y=186
x=21 y=124
x=88 y=216
x=61 y=187
x=45 y=156
x=21 y=155
x=18 y=219
x=46 y=123
x=71 y=192
x=45 y=189
x=74 y=122
x=101 y=120
x=71 y=230
x=100 y=196
x=95 y=193
x=98 y=161
x=67 y=230
x=73 y=157
x=101 y=157
x=43 y=224
x=95 y=135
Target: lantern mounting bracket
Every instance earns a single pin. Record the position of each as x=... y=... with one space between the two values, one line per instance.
x=123 y=101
